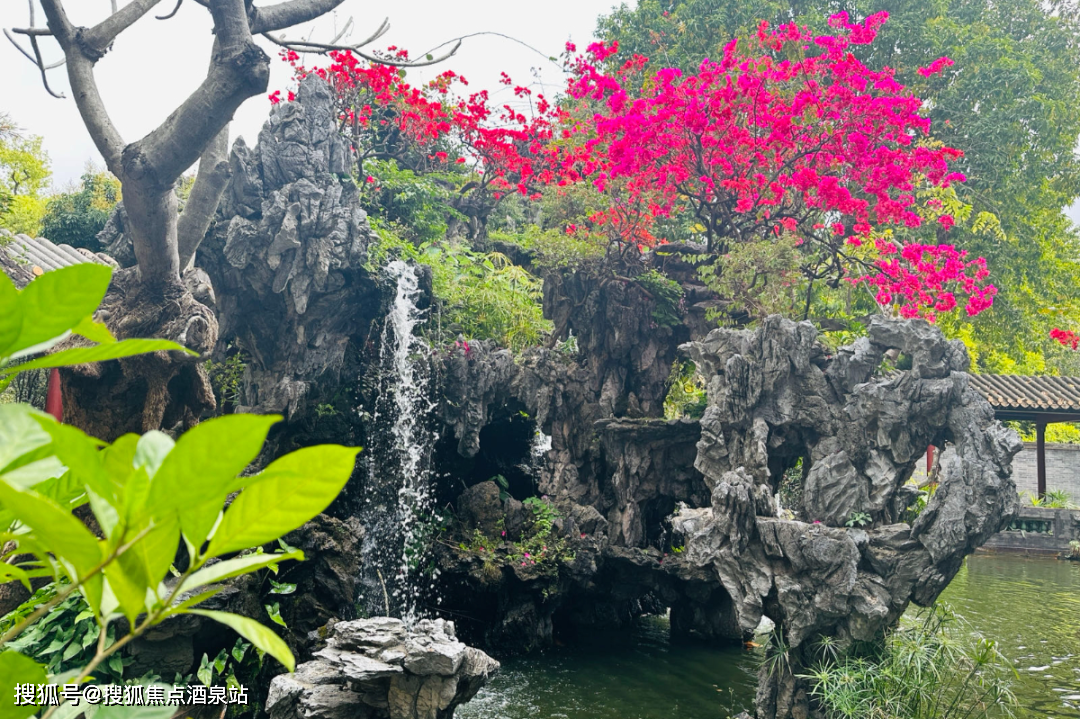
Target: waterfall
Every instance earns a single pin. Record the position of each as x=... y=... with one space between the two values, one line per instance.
x=398 y=493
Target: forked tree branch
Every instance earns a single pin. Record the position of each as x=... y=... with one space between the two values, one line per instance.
x=98 y=39
x=239 y=70
x=287 y=14
x=84 y=87
x=323 y=48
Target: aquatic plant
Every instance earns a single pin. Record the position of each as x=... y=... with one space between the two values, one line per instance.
x=932 y=666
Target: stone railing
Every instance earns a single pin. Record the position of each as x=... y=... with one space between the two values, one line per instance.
x=1037 y=530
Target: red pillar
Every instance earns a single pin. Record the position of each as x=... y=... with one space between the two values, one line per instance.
x=1040 y=452
x=929 y=459
x=54 y=403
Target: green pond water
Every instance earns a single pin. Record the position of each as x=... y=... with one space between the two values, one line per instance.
x=1030 y=606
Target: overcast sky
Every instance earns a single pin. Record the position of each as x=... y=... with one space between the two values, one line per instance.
x=155 y=64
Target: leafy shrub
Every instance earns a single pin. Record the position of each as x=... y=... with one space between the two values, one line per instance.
x=554 y=249
x=666 y=294
x=686 y=392
x=1054 y=499
x=75 y=217
x=932 y=666
x=417 y=205
x=478 y=295
x=147 y=495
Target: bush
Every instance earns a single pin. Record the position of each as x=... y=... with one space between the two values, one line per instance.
x=478 y=295
x=932 y=666
x=75 y=218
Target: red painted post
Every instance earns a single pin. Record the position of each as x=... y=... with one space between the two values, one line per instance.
x=929 y=459
x=1040 y=452
x=54 y=402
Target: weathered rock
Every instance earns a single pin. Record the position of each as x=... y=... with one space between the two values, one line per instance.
x=286 y=255
x=774 y=397
x=628 y=489
x=381 y=668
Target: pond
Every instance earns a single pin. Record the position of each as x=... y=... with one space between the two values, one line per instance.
x=1030 y=606
x=634 y=674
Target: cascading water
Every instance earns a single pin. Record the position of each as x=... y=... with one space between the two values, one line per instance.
x=398 y=490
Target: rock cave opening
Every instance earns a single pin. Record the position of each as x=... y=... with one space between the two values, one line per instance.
x=506 y=451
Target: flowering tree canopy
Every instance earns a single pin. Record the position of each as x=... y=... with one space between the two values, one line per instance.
x=791 y=136
x=786 y=139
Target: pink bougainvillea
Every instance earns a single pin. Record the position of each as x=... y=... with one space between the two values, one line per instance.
x=784 y=134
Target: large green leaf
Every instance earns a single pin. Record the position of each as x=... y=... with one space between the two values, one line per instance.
x=237 y=566
x=151 y=451
x=34 y=473
x=59 y=300
x=93 y=331
x=17 y=669
x=262 y=637
x=10 y=315
x=150 y=557
x=201 y=470
x=54 y=526
x=97 y=353
x=292 y=490
x=80 y=452
x=19 y=432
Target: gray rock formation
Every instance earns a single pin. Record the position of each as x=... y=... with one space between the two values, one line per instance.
x=685 y=514
x=286 y=254
x=381 y=668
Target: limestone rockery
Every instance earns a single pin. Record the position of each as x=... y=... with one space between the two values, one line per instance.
x=565 y=499
x=382 y=669
x=685 y=515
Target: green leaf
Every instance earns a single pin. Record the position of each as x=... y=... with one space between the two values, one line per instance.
x=291 y=491
x=262 y=637
x=80 y=452
x=203 y=466
x=55 y=526
x=206 y=671
x=237 y=566
x=220 y=660
x=282 y=587
x=59 y=300
x=149 y=558
x=34 y=473
x=19 y=433
x=10 y=314
x=274 y=610
x=17 y=669
x=93 y=331
x=97 y=353
x=151 y=451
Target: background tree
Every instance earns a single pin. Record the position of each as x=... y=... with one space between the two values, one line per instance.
x=1014 y=109
x=76 y=216
x=151 y=297
x=24 y=174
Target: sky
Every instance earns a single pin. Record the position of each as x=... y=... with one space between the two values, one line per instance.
x=155 y=64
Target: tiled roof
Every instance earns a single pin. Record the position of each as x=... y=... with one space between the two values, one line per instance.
x=23 y=258
x=1021 y=392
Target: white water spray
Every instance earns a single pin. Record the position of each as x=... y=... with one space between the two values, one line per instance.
x=399 y=493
